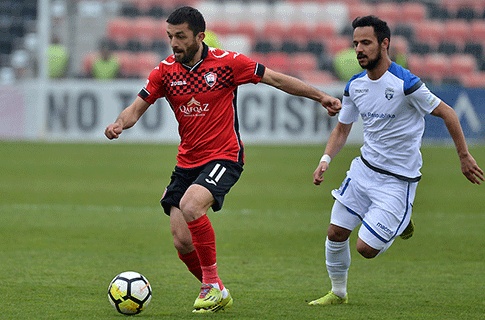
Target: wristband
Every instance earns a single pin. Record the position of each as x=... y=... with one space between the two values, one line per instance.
x=326 y=158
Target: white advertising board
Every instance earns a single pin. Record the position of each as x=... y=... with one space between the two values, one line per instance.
x=79 y=111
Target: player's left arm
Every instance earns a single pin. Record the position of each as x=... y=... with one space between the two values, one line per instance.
x=469 y=166
x=297 y=87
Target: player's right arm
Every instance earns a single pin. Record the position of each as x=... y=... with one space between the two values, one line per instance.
x=335 y=143
x=127 y=118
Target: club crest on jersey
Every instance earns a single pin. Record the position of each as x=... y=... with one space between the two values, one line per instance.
x=210 y=78
x=389 y=93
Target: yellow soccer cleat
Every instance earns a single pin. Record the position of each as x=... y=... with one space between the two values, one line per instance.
x=210 y=300
x=329 y=299
x=409 y=231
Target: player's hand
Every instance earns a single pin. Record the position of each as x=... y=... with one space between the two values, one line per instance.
x=333 y=105
x=471 y=170
x=113 y=131
x=318 y=174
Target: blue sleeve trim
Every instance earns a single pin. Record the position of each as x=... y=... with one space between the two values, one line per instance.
x=357 y=76
x=411 y=82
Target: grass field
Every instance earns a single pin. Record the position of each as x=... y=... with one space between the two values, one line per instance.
x=72 y=216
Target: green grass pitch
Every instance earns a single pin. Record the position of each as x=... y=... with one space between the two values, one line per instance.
x=72 y=216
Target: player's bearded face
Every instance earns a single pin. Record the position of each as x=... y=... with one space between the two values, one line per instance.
x=369 y=64
x=188 y=54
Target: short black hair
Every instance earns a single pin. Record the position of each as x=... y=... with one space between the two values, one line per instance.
x=381 y=29
x=190 y=15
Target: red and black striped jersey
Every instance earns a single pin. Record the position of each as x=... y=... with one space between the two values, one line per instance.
x=204 y=100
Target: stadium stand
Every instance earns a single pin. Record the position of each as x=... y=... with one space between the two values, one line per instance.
x=445 y=37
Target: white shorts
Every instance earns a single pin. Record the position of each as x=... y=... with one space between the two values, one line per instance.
x=382 y=203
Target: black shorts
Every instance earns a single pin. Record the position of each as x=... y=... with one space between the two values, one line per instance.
x=218 y=176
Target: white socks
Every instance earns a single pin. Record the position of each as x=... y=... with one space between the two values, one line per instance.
x=338 y=259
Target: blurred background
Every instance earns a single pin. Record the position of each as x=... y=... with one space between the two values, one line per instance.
x=80 y=46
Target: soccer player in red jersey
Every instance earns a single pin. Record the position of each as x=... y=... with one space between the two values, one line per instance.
x=200 y=84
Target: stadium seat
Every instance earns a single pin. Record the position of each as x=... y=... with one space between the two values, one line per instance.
x=477 y=31
x=447 y=48
x=233 y=11
x=389 y=12
x=420 y=48
x=278 y=61
x=413 y=12
x=337 y=13
x=314 y=47
x=128 y=67
x=221 y=27
x=238 y=43
x=473 y=80
x=120 y=29
x=284 y=12
x=300 y=31
x=264 y=46
x=274 y=30
x=130 y=10
x=143 y=6
x=466 y=13
x=310 y=12
x=211 y=10
x=430 y=32
x=143 y=29
x=290 y=46
x=258 y=12
x=303 y=61
x=337 y=43
x=437 y=66
x=146 y=62
x=457 y=31
x=323 y=30
x=405 y=30
x=360 y=10
x=246 y=28
x=475 y=49
x=463 y=64
x=416 y=64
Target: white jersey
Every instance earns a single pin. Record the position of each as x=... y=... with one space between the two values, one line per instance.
x=392 y=109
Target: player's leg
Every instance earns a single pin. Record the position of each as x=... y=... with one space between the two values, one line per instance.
x=208 y=190
x=337 y=253
x=183 y=243
x=182 y=239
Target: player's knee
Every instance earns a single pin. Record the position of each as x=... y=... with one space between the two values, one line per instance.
x=366 y=251
x=191 y=209
x=337 y=234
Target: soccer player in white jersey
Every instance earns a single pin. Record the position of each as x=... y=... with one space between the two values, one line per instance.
x=380 y=186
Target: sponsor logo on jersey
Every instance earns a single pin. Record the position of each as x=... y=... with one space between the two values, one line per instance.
x=178 y=83
x=361 y=90
x=384 y=228
x=389 y=93
x=378 y=115
x=431 y=99
x=210 y=78
x=194 y=108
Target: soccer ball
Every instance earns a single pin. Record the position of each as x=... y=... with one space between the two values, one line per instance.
x=129 y=292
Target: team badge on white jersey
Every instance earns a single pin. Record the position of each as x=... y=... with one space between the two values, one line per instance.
x=210 y=78
x=389 y=93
